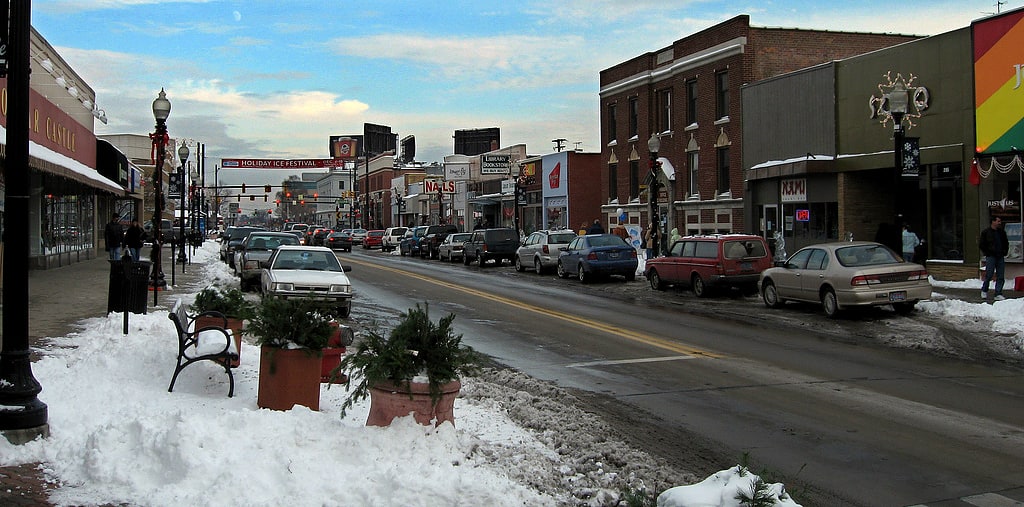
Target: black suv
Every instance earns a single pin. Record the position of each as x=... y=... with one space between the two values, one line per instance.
x=433 y=237
x=487 y=244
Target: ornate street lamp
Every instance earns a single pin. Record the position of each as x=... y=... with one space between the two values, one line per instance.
x=183 y=155
x=161 y=110
x=899 y=100
x=653 y=144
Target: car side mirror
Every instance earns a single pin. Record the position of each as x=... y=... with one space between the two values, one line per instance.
x=563 y=248
x=346 y=268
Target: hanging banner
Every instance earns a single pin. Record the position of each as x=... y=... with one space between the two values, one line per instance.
x=261 y=163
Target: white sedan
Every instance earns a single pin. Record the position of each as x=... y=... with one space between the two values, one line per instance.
x=308 y=272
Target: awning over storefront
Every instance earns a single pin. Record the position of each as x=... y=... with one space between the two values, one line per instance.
x=47 y=160
x=487 y=200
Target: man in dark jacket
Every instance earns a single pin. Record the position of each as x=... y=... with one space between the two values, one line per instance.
x=133 y=239
x=113 y=237
x=994 y=246
x=595 y=228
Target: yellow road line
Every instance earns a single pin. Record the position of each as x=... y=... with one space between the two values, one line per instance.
x=599 y=326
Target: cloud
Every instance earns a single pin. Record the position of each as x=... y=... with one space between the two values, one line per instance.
x=469 y=58
x=237 y=15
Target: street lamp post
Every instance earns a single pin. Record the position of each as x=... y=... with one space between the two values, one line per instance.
x=183 y=155
x=653 y=144
x=899 y=100
x=161 y=110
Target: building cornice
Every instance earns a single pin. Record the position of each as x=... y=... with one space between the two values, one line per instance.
x=724 y=50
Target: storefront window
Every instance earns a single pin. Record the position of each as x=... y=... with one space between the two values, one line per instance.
x=67 y=223
x=1004 y=202
x=810 y=223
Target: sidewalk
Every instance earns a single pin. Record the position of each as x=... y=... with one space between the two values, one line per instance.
x=58 y=300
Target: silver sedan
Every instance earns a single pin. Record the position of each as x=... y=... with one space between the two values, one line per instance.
x=846 y=274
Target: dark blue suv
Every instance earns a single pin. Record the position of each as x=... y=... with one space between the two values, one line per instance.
x=410 y=244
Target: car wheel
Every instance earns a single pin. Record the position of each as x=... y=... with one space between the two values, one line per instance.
x=465 y=259
x=770 y=295
x=699 y=289
x=344 y=311
x=519 y=264
x=561 y=271
x=655 y=280
x=401 y=251
x=829 y=303
x=538 y=267
x=480 y=260
x=904 y=308
x=582 y=274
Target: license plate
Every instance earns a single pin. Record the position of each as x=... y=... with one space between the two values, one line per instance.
x=613 y=255
x=746 y=266
x=898 y=296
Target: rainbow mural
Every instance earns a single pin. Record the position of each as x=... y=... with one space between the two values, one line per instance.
x=999 y=83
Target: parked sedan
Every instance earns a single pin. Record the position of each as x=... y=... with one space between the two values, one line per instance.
x=358 y=235
x=451 y=247
x=373 y=239
x=594 y=255
x=341 y=240
x=255 y=251
x=540 y=250
x=846 y=274
x=308 y=272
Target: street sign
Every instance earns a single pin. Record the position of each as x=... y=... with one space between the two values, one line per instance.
x=432 y=186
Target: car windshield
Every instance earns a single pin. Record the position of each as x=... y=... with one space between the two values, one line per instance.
x=561 y=237
x=866 y=255
x=744 y=248
x=313 y=260
x=606 y=240
x=461 y=237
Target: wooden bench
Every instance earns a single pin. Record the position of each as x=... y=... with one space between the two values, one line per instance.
x=208 y=343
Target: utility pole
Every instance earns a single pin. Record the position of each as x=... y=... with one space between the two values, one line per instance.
x=559 y=144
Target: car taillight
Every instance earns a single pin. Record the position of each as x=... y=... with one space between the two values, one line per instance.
x=917 y=275
x=592 y=256
x=633 y=252
x=865 y=280
x=545 y=248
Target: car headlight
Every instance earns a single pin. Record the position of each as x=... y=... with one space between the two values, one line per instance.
x=282 y=286
x=338 y=288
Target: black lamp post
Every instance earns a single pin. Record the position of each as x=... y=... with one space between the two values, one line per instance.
x=183 y=155
x=899 y=100
x=653 y=144
x=23 y=417
x=161 y=110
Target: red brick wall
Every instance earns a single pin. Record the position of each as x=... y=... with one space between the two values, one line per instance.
x=768 y=52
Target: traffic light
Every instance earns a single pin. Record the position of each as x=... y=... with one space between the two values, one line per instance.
x=266 y=188
x=243 y=188
x=302 y=202
x=270 y=212
x=288 y=195
x=277 y=202
x=316 y=195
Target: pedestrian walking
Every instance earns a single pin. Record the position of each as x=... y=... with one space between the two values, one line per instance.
x=649 y=241
x=994 y=246
x=133 y=239
x=113 y=237
x=910 y=242
x=595 y=228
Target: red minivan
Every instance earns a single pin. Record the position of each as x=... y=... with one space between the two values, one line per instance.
x=713 y=261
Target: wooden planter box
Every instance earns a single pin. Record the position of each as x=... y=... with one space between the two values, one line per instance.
x=289 y=377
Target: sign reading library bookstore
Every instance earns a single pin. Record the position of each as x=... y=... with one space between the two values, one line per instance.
x=495 y=164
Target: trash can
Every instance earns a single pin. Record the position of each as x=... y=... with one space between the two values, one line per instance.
x=129 y=286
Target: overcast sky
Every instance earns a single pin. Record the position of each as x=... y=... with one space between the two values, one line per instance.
x=275 y=79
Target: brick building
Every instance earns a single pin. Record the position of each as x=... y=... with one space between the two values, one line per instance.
x=688 y=96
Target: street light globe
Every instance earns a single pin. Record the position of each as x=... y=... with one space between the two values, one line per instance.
x=653 y=143
x=161 y=106
x=183 y=153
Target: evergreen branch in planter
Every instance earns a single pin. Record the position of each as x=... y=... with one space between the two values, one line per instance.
x=230 y=302
x=290 y=323
x=416 y=347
